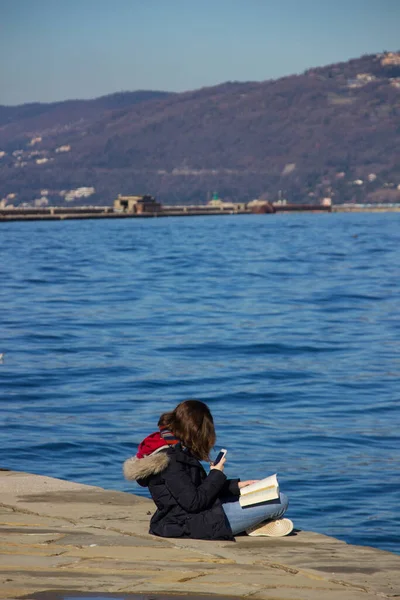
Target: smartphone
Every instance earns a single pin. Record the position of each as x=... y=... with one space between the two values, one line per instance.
x=221 y=454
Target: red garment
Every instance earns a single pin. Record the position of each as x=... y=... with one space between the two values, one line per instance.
x=153 y=442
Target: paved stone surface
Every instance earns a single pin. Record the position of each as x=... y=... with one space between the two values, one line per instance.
x=60 y=535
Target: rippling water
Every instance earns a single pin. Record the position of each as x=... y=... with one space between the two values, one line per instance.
x=288 y=326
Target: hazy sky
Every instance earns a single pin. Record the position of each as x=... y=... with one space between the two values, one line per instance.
x=58 y=49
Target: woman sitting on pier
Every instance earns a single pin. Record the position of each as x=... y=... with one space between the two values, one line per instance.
x=191 y=503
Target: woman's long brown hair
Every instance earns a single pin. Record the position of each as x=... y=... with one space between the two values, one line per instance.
x=192 y=423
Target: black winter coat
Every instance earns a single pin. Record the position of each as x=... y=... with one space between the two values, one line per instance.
x=188 y=500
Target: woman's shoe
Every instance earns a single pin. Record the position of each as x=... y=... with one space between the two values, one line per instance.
x=278 y=528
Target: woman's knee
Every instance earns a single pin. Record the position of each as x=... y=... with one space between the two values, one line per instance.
x=284 y=501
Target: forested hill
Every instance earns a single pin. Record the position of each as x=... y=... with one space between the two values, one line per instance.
x=332 y=131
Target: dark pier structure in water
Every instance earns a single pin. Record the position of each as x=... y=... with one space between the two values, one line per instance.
x=146 y=207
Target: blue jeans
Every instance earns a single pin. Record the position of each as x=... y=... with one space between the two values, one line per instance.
x=241 y=519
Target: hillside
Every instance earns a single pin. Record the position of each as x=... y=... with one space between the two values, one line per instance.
x=332 y=131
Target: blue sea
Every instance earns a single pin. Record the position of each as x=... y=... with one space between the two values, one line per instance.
x=288 y=326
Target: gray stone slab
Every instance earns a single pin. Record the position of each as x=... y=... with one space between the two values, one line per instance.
x=110 y=539
x=101 y=537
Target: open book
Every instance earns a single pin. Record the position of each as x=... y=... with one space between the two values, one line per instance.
x=262 y=491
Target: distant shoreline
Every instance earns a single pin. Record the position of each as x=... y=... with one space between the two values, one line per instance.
x=372 y=209
x=60 y=214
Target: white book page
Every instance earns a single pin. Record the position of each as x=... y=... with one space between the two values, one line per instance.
x=257 y=497
x=268 y=482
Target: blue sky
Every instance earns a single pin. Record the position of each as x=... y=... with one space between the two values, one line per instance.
x=58 y=49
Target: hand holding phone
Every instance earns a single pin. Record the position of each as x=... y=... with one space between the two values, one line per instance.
x=220 y=455
x=218 y=460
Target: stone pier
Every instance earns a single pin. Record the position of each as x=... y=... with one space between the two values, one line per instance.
x=59 y=535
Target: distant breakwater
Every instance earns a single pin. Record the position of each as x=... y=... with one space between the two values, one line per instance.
x=84 y=212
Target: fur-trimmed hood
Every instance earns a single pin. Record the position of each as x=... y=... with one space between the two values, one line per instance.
x=141 y=468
